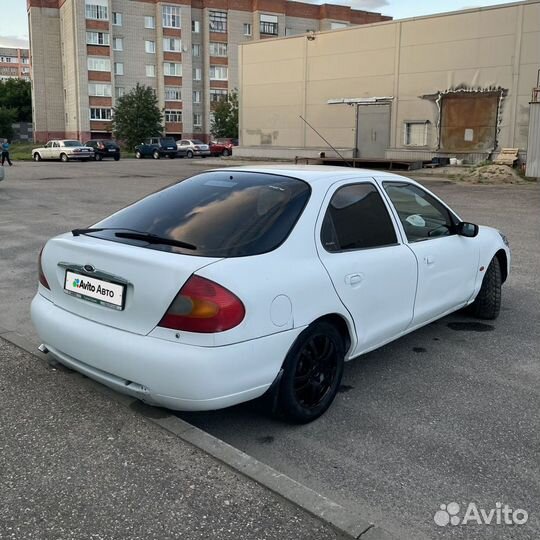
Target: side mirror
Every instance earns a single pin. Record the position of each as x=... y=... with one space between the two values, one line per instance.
x=470 y=230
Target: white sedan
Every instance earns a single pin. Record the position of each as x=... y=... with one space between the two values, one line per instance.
x=239 y=282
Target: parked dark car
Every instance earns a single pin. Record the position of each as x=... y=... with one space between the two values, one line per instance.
x=104 y=148
x=223 y=146
x=157 y=147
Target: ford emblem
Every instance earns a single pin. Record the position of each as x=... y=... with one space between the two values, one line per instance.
x=89 y=268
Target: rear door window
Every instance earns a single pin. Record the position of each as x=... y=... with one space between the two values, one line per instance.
x=224 y=214
x=357 y=218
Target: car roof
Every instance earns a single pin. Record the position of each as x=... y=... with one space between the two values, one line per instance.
x=315 y=174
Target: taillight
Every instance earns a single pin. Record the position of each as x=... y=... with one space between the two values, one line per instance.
x=203 y=306
x=42 y=278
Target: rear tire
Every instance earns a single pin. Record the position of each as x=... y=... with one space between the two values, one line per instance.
x=487 y=303
x=116 y=158
x=189 y=154
x=312 y=373
x=63 y=158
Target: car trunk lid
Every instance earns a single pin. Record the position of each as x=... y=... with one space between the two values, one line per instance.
x=150 y=280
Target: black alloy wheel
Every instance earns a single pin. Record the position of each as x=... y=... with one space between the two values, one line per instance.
x=312 y=373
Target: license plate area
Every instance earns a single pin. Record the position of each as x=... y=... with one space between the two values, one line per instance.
x=98 y=290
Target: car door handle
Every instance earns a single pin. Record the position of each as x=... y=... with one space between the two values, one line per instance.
x=429 y=259
x=354 y=279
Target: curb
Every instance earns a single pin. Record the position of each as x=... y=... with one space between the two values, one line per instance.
x=343 y=520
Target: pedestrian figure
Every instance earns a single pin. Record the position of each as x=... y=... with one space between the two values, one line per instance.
x=5 y=154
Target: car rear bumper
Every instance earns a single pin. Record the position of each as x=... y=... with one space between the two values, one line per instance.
x=160 y=372
x=201 y=153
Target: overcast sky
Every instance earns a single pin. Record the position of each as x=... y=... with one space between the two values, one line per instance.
x=14 y=22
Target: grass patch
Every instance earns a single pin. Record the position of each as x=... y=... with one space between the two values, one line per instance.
x=21 y=151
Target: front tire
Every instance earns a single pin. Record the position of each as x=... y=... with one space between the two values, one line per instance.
x=487 y=303
x=37 y=157
x=138 y=155
x=312 y=373
x=155 y=154
x=63 y=158
x=225 y=153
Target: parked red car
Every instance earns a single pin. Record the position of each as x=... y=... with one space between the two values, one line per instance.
x=223 y=147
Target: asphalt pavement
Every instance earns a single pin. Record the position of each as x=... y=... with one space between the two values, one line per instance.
x=446 y=414
x=75 y=464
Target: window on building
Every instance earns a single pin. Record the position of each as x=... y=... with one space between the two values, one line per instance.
x=97 y=11
x=117 y=19
x=173 y=69
x=172 y=44
x=197 y=95
x=97 y=38
x=196 y=49
x=99 y=64
x=196 y=27
x=217 y=48
x=269 y=25
x=217 y=95
x=118 y=44
x=173 y=115
x=218 y=21
x=197 y=74
x=357 y=218
x=150 y=70
x=415 y=133
x=173 y=93
x=119 y=91
x=25 y=60
x=118 y=68
x=98 y=113
x=170 y=16
x=150 y=46
x=197 y=119
x=99 y=89
x=219 y=73
x=248 y=29
x=149 y=22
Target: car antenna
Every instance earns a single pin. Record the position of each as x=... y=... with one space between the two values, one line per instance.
x=345 y=161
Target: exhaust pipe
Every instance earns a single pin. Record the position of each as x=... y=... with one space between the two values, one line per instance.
x=42 y=348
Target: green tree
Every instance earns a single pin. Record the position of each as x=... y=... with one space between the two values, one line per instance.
x=137 y=116
x=225 y=121
x=16 y=94
x=7 y=117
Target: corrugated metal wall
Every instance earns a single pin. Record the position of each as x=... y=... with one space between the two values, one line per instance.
x=533 y=151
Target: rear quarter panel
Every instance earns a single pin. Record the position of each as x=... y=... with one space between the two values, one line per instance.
x=284 y=289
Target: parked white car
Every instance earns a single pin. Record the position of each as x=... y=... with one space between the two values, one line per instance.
x=64 y=150
x=239 y=282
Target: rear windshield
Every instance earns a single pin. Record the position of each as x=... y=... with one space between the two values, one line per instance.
x=197 y=141
x=169 y=141
x=222 y=213
x=72 y=143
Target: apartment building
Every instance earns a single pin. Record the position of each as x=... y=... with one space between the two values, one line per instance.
x=14 y=64
x=88 y=53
